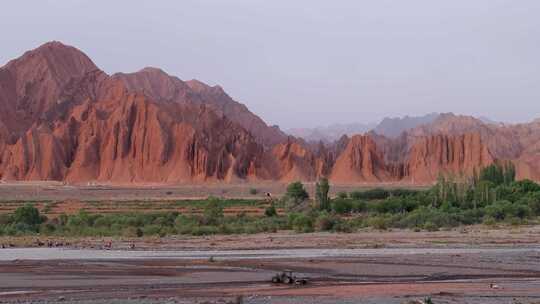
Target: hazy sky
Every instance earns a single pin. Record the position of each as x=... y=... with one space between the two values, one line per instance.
x=307 y=62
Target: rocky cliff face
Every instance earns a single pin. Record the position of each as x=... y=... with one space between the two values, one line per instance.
x=61 y=118
x=33 y=83
x=162 y=87
x=360 y=162
x=446 y=154
x=96 y=127
x=426 y=159
x=129 y=138
x=518 y=143
x=297 y=162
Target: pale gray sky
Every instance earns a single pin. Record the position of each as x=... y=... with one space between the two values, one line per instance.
x=308 y=62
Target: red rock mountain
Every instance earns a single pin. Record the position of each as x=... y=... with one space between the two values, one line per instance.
x=297 y=162
x=360 y=162
x=126 y=137
x=162 y=87
x=61 y=118
x=446 y=154
x=33 y=83
x=78 y=124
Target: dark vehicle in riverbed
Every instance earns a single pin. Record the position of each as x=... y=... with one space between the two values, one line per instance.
x=287 y=277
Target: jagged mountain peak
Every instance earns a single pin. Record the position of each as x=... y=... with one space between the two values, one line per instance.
x=57 y=56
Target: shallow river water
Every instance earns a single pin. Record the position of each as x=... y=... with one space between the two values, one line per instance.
x=94 y=254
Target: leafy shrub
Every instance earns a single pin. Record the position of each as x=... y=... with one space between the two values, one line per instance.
x=521 y=211
x=378 y=222
x=343 y=226
x=204 y=230
x=297 y=192
x=424 y=215
x=532 y=201
x=429 y=226
x=132 y=232
x=29 y=215
x=185 y=225
x=489 y=221
x=372 y=194
x=213 y=212
x=396 y=205
x=270 y=211
x=5 y=219
x=502 y=209
x=105 y=221
x=291 y=217
x=47 y=228
x=359 y=206
x=151 y=230
x=325 y=222
x=400 y=192
x=342 y=205
x=525 y=186
x=471 y=216
x=303 y=223
x=514 y=221
x=342 y=195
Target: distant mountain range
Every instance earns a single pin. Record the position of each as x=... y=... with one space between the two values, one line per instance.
x=62 y=118
x=331 y=133
x=389 y=127
x=393 y=127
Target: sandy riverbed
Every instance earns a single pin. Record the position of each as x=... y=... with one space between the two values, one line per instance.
x=480 y=266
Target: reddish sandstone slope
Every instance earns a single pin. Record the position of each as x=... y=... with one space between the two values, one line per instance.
x=126 y=137
x=92 y=127
x=162 y=87
x=360 y=162
x=33 y=83
x=519 y=143
x=417 y=160
x=296 y=162
x=446 y=154
x=525 y=148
